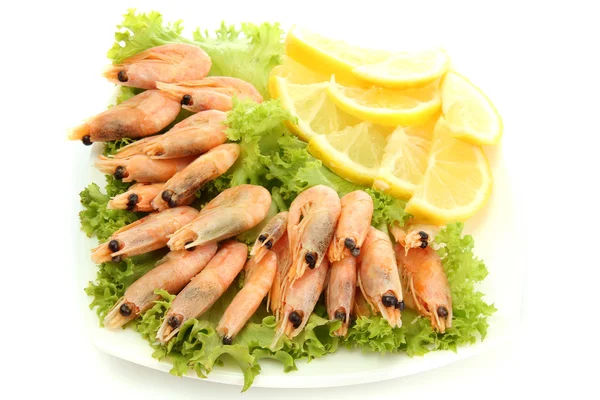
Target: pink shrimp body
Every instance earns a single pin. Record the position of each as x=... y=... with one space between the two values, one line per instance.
x=167 y=63
x=258 y=281
x=182 y=187
x=211 y=93
x=144 y=235
x=426 y=285
x=284 y=261
x=269 y=236
x=233 y=211
x=378 y=277
x=143 y=115
x=137 y=198
x=141 y=168
x=341 y=290
x=353 y=225
x=204 y=289
x=171 y=273
x=194 y=135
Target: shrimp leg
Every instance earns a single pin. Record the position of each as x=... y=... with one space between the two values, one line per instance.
x=137 y=198
x=341 y=290
x=353 y=225
x=270 y=235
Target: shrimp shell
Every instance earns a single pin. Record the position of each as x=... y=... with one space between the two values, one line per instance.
x=341 y=290
x=258 y=281
x=144 y=235
x=182 y=187
x=141 y=168
x=233 y=211
x=269 y=236
x=414 y=235
x=171 y=273
x=167 y=63
x=284 y=262
x=137 y=198
x=143 y=115
x=204 y=289
x=353 y=225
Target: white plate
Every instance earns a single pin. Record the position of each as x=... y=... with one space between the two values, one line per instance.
x=496 y=230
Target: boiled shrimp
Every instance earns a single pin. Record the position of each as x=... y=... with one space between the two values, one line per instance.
x=233 y=211
x=257 y=282
x=144 y=235
x=192 y=136
x=312 y=219
x=182 y=187
x=271 y=233
x=167 y=63
x=426 y=285
x=171 y=273
x=143 y=115
x=353 y=225
x=378 y=277
x=204 y=289
x=361 y=307
x=299 y=300
x=284 y=261
x=141 y=168
x=341 y=290
x=211 y=93
x=414 y=235
x=136 y=198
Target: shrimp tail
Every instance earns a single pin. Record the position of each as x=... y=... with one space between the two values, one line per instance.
x=115 y=318
x=79 y=132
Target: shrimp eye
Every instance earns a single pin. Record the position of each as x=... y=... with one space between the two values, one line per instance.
x=442 y=312
x=120 y=172
x=122 y=76
x=86 y=140
x=186 y=100
x=114 y=245
x=341 y=315
x=190 y=248
x=355 y=252
x=174 y=321
x=262 y=238
x=227 y=340
x=125 y=310
x=423 y=244
x=117 y=259
x=350 y=243
x=132 y=200
x=269 y=244
x=311 y=260
x=295 y=318
x=400 y=305
x=389 y=300
x=172 y=203
x=166 y=195
x=423 y=235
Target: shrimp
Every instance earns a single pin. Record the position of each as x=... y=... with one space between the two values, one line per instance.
x=211 y=93
x=414 y=235
x=299 y=300
x=182 y=186
x=137 y=198
x=311 y=223
x=341 y=289
x=258 y=281
x=353 y=225
x=284 y=261
x=233 y=211
x=426 y=285
x=378 y=277
x=192 y=136
x=271 y=233
x=143 y=115
x=144 y=235
x=167 y=63
x=204 y=289
x=171 y=273
x=141 y=168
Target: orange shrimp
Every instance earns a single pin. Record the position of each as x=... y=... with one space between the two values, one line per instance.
x=353 y=225
x=233 y=211
x=378 y=277
x=271 y=233
x=426 y=285
x=137 y=198
x=211 y=93
x=414 y=235
x=312 y=219
x=258 y=281
x=171 y=273
x=143 y=115
x=341 y=289
x=182 y=187
x=144 y=235
x=141 y=168
x=284 y=261
x=192 y=136
x=204 y=289
x=167 y=63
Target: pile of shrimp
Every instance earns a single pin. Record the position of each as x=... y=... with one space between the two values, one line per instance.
x=323 y=244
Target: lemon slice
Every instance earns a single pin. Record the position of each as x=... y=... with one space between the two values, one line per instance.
x=470 y=115
x=456 y=183
x=387 y=106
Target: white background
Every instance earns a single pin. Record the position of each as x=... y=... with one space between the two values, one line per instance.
x=539 y=62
